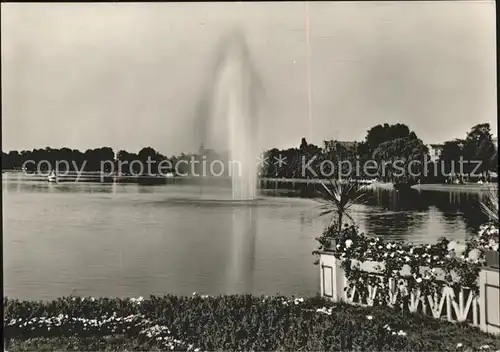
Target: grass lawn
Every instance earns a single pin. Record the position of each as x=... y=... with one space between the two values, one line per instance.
x=238 y=322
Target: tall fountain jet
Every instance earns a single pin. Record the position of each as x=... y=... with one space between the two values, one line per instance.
x=233 y=120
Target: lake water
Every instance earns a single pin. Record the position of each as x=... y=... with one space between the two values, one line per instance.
x=132 y=240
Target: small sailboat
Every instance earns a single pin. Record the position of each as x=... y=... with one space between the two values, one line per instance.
x=52 y=177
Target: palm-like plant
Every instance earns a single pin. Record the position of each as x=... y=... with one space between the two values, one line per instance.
x=490 y=205
x=338 y=197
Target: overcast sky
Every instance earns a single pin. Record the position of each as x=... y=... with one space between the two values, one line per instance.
x=129 y=75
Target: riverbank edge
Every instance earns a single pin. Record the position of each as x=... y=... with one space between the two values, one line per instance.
x=472 y=187
x=228 y=322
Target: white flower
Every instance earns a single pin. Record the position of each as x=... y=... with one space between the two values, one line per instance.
x=407 y=259
x=452 y=246
x=492 y=243
x=348 y=243
x=401 y=333
x=324 y=310
x=369 y=317
x=419 y=280
x=459 y=345
x=474 y=254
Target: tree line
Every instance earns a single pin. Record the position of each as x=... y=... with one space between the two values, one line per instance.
x=477 y=146
x=383 y=144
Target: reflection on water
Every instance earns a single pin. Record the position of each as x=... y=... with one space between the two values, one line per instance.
x=414 y=213
x=133 y=240
x=242 y=252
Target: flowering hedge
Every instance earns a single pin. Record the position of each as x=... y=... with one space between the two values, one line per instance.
x=424 y=262
x=239 y=322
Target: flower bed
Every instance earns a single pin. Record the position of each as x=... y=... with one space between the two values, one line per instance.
x=239 y=322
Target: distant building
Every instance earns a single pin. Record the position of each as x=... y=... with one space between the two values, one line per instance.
x=435 y=151
x=348 y=145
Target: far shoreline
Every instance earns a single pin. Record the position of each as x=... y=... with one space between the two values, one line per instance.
x=264 y=182
x=471 y=187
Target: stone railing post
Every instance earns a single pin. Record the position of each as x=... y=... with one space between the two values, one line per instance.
x=332 y=277
x=489 y=296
